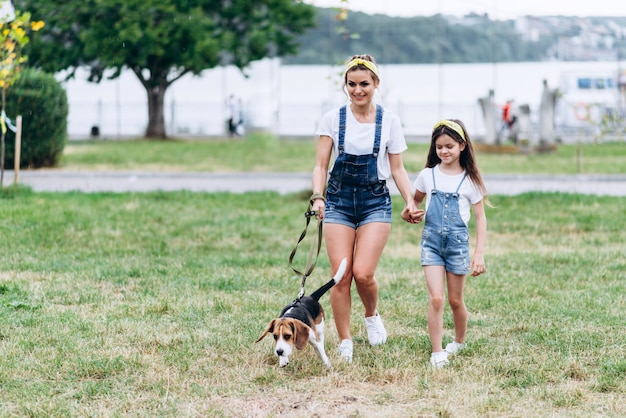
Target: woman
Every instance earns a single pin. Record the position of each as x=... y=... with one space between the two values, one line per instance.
x=367 y=141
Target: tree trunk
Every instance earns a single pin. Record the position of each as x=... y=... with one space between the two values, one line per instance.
x=2 y=137
x=156 y=120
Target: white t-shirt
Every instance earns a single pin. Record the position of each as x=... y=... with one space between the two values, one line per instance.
x=359 y=138
x=469 y=194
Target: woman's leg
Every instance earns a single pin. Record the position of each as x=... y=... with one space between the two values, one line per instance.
x=436 y=298
x=340 y=241
x=371 y=239
x=456 y=283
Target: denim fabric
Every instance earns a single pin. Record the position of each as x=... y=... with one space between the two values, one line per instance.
x=355 y=196
x=445 y=239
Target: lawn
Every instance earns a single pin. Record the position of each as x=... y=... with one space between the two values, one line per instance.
x=263 y=153
x=149 y=305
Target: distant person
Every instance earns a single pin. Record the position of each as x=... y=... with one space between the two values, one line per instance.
x=367 y=141
x=508 y=119
x=234 y=114
x=239 y=127
x=451 y=184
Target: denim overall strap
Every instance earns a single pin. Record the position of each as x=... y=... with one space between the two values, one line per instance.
x=432 y=171
x=459 y=186
x=379 y=129
x=342 y=129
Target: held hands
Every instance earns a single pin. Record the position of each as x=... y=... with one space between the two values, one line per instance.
x=412 y=215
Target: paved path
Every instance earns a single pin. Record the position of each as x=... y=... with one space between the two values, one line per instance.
x=56 y=180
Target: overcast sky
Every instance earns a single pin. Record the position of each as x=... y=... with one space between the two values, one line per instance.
x=496 y=9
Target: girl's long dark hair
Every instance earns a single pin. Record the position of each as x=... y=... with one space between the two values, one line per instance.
x=467 y=158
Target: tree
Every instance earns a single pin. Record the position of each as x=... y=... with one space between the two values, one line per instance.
x=162 y=40
x=14 y=27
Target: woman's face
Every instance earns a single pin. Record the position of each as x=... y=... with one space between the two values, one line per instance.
x=361 y=87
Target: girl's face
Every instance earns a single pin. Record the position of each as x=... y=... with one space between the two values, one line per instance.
x=361 y=87
x=448 y=150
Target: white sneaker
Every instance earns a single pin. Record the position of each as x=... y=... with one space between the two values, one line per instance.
x=453 y=348
x=439 y=360
x=345 y=350
x=376 y=332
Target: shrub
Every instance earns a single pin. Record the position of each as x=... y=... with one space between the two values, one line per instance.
x=42 y=102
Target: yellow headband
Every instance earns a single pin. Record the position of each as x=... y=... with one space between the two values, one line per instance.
x=452 y=125
x=369 y=64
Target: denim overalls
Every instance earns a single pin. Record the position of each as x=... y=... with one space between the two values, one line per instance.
x=355 y=196
x=445 y=239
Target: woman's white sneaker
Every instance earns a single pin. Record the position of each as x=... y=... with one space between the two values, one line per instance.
x=376 y=332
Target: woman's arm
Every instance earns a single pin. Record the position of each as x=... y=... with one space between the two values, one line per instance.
x=410 y=213
x=320 y=172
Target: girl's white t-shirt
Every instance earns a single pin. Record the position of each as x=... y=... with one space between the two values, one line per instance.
x=469 y=194
x=359 y=138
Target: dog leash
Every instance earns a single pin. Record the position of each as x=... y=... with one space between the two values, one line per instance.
x=313 y=254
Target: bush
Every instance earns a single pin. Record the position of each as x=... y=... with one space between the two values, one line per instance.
x=42 y=102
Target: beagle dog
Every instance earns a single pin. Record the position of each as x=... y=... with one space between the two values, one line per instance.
x=302 y=322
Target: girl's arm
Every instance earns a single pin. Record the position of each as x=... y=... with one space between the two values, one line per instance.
x=478 y=261
x=401 y=178
x=320 y=172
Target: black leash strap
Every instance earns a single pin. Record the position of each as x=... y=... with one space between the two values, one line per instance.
x=313 y=253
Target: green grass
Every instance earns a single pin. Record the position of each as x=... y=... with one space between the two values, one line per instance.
x=262 y=153
x=149 y=305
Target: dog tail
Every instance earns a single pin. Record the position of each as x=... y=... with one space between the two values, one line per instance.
x=336 y=279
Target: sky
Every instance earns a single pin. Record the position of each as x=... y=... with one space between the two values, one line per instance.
x=496 y=9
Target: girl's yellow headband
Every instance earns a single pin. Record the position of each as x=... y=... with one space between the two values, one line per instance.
x=452 y=125
x=369 y=64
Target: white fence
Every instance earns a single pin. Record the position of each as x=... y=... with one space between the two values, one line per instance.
x=289 y=100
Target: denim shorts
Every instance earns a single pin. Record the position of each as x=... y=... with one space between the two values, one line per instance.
x=450 y=250
x=356 y=206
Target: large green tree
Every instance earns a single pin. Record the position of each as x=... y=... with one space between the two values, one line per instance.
x=162 y=40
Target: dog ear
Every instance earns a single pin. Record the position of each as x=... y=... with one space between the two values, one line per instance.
x=301 y=333
x=268 y=329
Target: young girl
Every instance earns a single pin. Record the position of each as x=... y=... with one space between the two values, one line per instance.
x=452 y=184
x=367 y=141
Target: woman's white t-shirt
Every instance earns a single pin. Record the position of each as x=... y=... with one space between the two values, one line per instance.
x=469 y=194
x=359 y=139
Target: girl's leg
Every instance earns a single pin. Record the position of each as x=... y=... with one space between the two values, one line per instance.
x=456 y=283
x=370 y=242
x=340 y=240
x=435 y=283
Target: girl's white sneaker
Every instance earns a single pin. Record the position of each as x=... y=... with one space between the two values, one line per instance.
x=345 y=350
x=439 y=360
x=376 y=332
